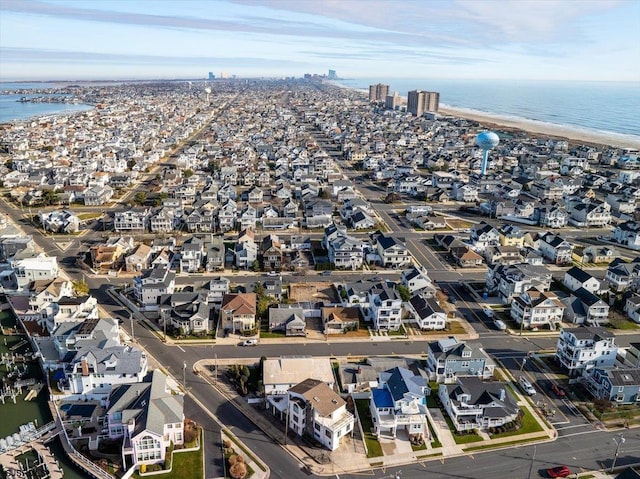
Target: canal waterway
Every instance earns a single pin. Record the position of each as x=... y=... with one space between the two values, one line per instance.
x=12 y=416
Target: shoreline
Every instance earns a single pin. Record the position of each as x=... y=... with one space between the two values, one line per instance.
x=534 y=128
x=539 y=128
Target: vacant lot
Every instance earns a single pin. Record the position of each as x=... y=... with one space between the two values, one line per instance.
x=313 y=293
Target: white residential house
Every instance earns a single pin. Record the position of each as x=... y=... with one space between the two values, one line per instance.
x=38 y=268
x=426 y=313
x=94 y=371
x=576 y=278
x=97 y=195
x=416 y=280
x=554 y=248
x=399 y=402
x=315 y=409
x=627 y=234
x=580 y=349
x=474 y=404
x=135 y=219
x=384 y=308
x=149 y=418
x=533 y=309
x=151 y=284
x=281 y=374
x=393 y=253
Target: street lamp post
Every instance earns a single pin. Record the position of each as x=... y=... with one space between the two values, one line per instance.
x=184 y=374
x=133 y=334
x=619 y=443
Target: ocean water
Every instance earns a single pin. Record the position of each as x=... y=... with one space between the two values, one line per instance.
x=11 y=109
x=592 y=106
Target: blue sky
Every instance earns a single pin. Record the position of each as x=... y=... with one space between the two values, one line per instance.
x=537 y=39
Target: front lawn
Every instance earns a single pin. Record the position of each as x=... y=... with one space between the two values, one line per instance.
x=460 y=438
x=529 y=424
x=374 y=449
x=185 y=465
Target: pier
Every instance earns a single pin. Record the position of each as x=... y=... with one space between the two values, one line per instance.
x=29 y=438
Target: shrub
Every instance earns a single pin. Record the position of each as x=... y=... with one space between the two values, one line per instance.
x=238 y=470
x=226 y=444
x=235 y=459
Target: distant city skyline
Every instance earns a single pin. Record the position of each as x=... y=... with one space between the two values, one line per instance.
x=466 y=39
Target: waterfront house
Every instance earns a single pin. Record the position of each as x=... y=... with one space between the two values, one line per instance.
x=148 y=416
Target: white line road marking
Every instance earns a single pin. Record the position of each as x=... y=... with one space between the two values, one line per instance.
x=178 y=346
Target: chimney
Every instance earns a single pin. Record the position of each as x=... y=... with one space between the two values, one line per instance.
x=84 y=366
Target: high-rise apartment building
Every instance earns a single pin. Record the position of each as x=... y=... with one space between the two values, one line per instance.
x=211 y=76
x=419 y=101
x=392 y=101
x=432 y=101
x=415 y=102
x=378 y=92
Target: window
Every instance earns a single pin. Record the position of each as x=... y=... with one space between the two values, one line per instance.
x=327 y=433
x=316 y=426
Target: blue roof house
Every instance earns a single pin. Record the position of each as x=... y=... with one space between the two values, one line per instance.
x=399 y=403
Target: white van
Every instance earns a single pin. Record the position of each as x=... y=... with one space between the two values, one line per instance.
x=500 y=324
x=526 y=386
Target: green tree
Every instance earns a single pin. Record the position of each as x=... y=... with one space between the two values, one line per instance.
x=49 y=197
x=255 y=265
x=187 y=173
x=140 y=198
x=80 y=288
x=404 y=293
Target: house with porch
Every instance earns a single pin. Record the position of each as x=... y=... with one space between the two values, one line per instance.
x=579 y=349
x=400 y=403
x=448 y=358
x=148 y=417
x=238 y=313
x=474 y=404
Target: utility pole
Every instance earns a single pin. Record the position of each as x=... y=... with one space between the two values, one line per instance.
x=215 y=369
x=619 y=443
x=286 y=422
x=184 y=375
x=533 y=458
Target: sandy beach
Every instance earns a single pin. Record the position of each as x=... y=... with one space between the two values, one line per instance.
x=537 y=128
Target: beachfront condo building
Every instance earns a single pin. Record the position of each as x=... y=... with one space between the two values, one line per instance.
x=378 y=92
x=419 y=101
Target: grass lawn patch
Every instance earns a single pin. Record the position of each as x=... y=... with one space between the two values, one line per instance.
x=421 y=447
x=436 y=442
x=400 y=332
x=89 y=216
x=623 y=323
x=454 y=327
x=185 y=465
x=529 y=424
x=374 y=449
x=460 y=438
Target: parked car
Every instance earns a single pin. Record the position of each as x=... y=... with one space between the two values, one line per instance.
x=558 y=391
x=558 y=471
x=326 y=273
x=526 y=386
x=499 y=324
x=250 y=342
x=273 y=273
x=488 y=312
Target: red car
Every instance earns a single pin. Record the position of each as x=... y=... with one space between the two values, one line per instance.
x=558 y=391
x=559 y=471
